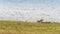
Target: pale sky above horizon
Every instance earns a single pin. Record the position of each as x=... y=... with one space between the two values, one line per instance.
x=30 y=10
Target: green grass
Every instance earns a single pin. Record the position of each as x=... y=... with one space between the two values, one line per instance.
x=20 y=27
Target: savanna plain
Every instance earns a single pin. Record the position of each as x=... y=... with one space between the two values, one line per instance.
x=21 y=27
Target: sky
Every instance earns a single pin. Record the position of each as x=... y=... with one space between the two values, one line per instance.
x=30 y=10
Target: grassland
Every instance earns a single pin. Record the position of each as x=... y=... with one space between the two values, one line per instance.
x=20 y=27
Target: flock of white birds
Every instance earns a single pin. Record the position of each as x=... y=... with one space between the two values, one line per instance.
x=29 y=13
